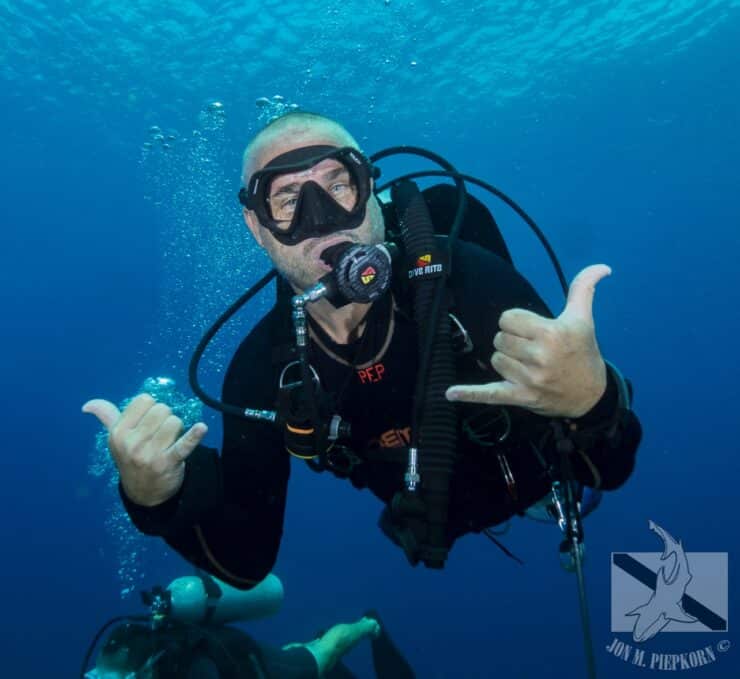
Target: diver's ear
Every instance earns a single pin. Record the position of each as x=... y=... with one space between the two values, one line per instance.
x=250 y=219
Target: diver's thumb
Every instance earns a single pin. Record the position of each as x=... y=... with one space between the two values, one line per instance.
x=582 y=290
x=105 y=411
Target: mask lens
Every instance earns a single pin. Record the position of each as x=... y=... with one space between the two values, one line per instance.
x=310 y=191
x=331 y=175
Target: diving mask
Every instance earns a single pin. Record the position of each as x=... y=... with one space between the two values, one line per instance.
x=310 y=192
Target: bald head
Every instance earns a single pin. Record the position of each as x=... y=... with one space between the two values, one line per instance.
x=291 y=131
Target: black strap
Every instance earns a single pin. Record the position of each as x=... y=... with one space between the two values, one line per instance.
x=213 y=594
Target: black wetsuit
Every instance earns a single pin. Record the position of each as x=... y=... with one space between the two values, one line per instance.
x=234 y=503
x=226 y=652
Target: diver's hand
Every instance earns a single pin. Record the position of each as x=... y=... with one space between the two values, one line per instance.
x=147 y=447
x=552 y=367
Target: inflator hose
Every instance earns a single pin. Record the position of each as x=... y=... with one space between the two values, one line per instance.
x=434 y=421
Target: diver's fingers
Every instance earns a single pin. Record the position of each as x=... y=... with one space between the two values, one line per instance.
x=188 y=442
x=523 y=350
x=523 y=323
x=510 y=369
x=494 y=393
x=134 y=413
x=167 y=433
x=151 y=422
x=105 y=411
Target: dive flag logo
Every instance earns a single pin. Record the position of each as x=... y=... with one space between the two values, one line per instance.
x=368 y=275
x=424 y=260
x=672 y=591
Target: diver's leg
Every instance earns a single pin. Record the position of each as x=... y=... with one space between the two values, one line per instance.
x=338 y=640
x=290 y=662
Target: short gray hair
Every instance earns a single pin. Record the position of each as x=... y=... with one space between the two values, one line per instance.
x=297 y=122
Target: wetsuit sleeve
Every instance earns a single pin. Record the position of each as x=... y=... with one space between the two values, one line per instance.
x=607 y=437
x=227 y=517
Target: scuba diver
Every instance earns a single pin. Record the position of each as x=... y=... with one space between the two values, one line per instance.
x=405 y=353
x=186 y=635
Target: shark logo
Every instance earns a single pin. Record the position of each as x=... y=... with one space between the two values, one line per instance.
x=664 y=605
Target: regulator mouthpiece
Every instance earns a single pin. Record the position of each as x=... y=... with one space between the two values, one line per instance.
x=361 y=273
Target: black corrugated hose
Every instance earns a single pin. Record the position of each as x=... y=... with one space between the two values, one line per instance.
x=434 y=421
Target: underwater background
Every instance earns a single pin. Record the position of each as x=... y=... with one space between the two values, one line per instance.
x=616 y=126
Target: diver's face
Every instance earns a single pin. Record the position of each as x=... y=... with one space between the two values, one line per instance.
x=301 y=264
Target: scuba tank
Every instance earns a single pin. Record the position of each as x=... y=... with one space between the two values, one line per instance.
x=204 y=600
x=197 y=602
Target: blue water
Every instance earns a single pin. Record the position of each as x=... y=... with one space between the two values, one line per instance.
x=615 y=124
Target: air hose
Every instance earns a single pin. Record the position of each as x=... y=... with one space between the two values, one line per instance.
x=434 y=420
